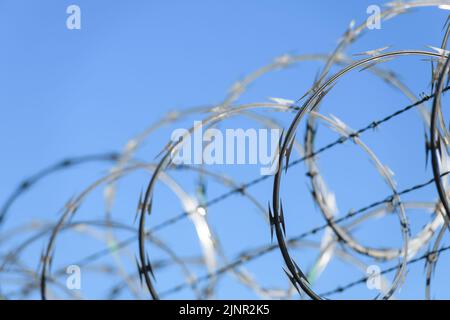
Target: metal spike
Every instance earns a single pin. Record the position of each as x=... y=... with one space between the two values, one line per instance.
x=149 y=207
x=427 y=150
x=311 y=174
x=282 y=218
x=41 y=260
x=373 y=52
x=446 y=22
x=317 y=76
x=281 y=139
x=139 y=206
x=299 y=272
x=440 y=51
x=50 y=262
x=148 y=267
x=283 y=101
x=314 y=130
x=325 y=92
x=272 y=222
x=288 y=153
x=374 y=64
x=306 y=94
x=25 y=185
x=439 y=146
x=139 y=270
x=292 y=280
x=167 y=147
x=433 y=77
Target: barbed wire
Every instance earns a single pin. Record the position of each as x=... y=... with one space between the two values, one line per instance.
x=245 y=257
x=336 y=239
x=244 y=186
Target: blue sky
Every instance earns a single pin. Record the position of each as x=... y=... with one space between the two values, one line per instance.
x=75 y=92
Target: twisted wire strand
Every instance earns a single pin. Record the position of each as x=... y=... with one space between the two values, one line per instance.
x=213 y=254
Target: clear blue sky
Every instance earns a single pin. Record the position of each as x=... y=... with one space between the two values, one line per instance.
x=74 y=92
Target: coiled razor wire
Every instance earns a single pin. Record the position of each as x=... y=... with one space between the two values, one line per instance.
x=337 y=241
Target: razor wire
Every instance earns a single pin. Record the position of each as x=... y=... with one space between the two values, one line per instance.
x=336 y=240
